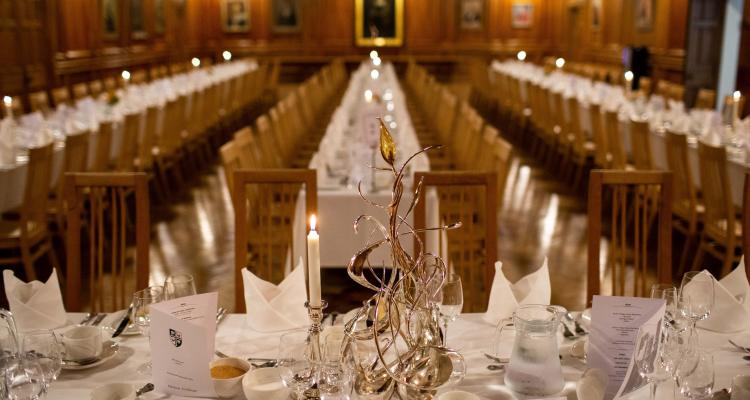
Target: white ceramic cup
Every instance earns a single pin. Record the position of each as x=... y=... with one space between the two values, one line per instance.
x=114 y=391
x=458 y=395
x=232 y=386
x=264 y=384
x=82 y=343
x=741 y=387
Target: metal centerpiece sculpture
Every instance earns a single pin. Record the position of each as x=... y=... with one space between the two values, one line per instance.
x=395 y=340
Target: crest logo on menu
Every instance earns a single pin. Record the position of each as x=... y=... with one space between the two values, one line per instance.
x=175 y=337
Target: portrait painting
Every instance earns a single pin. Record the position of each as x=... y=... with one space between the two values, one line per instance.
x=110 y=19
x=137 y=20
x=644 y=15
x=235 y=15
x=522 y=15
x=286 y=15
x=379 y=22
x=159 y=19
x=596 y=14
x=471 y=14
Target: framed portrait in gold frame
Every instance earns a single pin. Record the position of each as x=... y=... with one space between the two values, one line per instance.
x=379 y=23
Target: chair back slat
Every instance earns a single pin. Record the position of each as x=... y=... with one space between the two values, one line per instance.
x=640 y=144
x=716 y=189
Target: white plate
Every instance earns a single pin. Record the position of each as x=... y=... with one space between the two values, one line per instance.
x=109 y=350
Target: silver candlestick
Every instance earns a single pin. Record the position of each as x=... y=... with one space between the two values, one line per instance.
x=314 y=355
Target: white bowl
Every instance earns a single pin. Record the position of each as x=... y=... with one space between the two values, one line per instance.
x=232 y=386
x=458 y=395
x=114 y=391
x=264 y=384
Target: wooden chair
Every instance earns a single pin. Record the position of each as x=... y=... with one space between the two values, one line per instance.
x=706 y=98
x=640 y=145
x=110 y=83
x=80 y=90
x=113 y=272
x=263 y=235
x=96 y=87
x=628 y=263
x=61 y=95
x=722 y=232
x=75 y=160
x=614 y=141
x=645 y=85
x=471 y=198
x=129 y=143
x=687 y=209
x=102 y=152
x=39 y=101
x=583 y=150
x=495 y=156
x=602 y=158
x=28 y=236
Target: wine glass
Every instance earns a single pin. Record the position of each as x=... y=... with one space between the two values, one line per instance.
x=296 y=370
x=696 y=296
x=43 y=346
x=650 y=359
x=450 y=299
x=669 y=294
x=142 y=301
x=24 y=379
x=336 y=369
x=179 y=285
x=695 y=375
x=8 y=352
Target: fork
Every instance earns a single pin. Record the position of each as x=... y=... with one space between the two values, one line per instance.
x=745 y=349
x=88 y=318
x=99 y=319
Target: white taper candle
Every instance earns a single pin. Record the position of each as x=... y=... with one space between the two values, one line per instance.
x=313 y=264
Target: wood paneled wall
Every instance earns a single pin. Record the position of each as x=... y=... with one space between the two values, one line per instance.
x=77 y=50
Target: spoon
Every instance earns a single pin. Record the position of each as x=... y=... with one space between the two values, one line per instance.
x=145 y=389
x=493 y=367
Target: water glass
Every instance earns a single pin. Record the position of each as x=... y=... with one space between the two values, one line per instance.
x=24 y=379
x=44 y=347
x=450 y=300
x=296 y=370
x=741 y=387
x=695 y=375
x=142 y=301
x=179 y=285
x=696 y=298
x=650 y=360
x=336 y=369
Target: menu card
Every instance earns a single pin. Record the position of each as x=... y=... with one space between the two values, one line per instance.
x=615 y=322
x=182 y=345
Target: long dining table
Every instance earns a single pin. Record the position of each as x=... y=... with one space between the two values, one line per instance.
x=469 y=334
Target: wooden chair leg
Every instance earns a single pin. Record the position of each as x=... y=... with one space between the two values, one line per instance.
x=28 y=261
x=698 y=260
x=689 y=243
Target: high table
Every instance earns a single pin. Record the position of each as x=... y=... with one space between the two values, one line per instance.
x=470 y=335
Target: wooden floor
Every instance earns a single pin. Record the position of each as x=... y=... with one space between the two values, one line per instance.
x=539 y=218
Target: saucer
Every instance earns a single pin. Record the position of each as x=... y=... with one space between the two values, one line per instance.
x=109 y=350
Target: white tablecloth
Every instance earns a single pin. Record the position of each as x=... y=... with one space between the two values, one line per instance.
x=470 y=335
x=338 y=204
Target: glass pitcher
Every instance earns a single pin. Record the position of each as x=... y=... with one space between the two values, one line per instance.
x=534 y=368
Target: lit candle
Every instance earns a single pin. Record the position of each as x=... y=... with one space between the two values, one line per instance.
x=196 y=62
x=376 y=61
x=374 y=74
x=628 y=81
x=736 y=96
x=226 y=55
x=521 y=55
x=374 y=54
x=560 y=62
x=313 y=264
x=126 y=77
x=736 y=104
x=8 y=102
x=368 y=95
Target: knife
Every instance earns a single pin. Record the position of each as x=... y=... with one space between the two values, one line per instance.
x=124 y=323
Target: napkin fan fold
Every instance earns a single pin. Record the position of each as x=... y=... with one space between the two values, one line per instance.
x=505 y=297
x=272 y=307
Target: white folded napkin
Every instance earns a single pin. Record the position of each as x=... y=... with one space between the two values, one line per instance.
x=591 y=385
x=506 y=297
x=731 y=311
x=273 y=308
x=35 y=305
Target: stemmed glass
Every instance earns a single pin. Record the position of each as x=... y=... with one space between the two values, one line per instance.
x=43 y=346
x=336 y=369
x=696 y=296
x=179 y=285
x=669 y=294
x=695 y=375
x=142 y=301
x=450 y=299
x=297 y=371
x=650 y=360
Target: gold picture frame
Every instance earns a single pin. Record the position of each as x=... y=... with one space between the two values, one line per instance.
x=235 y=15
x=385 y=23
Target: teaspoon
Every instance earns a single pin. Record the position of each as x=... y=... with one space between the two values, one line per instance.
x=493 y=367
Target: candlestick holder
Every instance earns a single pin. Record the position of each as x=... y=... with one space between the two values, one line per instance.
x=314 y=355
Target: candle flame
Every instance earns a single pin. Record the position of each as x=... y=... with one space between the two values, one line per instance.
x=560 y=62
x=196 y=62
x=521 y=55
x=736 y=95
x=628 y=76
x=313 y=221
x=8 y=101
x=125 y=75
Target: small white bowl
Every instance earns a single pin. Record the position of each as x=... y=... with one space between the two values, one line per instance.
x=264 y=384
x=114 y=391
x=232 y=386
x=458 y=395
